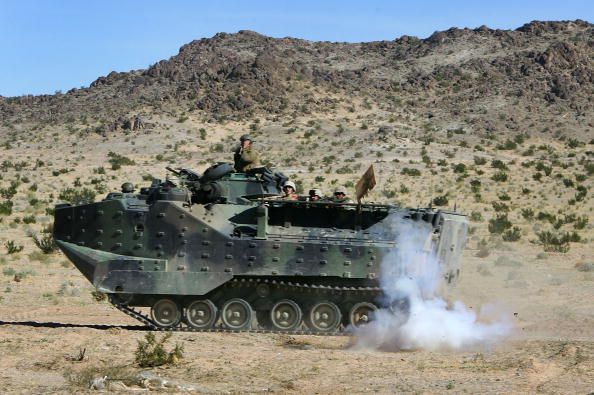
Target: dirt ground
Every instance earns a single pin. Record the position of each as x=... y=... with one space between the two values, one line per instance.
x=47 y=319
x=49 y=316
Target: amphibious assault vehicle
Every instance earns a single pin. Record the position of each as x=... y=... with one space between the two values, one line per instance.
x=220 y=251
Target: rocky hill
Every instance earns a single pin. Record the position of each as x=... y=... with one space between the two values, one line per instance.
x=496 y=124
x=489 y=80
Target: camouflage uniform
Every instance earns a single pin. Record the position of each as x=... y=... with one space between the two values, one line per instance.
x=343 y=199
x=246 y=158
x=289 y=195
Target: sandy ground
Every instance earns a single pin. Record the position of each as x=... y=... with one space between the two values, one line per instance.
x=47 y=318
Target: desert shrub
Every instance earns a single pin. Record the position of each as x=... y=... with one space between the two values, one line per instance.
x=547 y=170
x=12 y=247
x=573 y=143
x=507 y=145
x=77 y=196
x=344 y=170
x=499 y=224
x=8 y=193
x=552 y=242
x=151 y=352
x=568 y=182
x=528 y=152
x=573 y=237
x=582 y=191
x=46 y=243
x=29 y=219
x=117 y=160
x=504 y=196
x=513 y=234
x=389 y=193
x=59 y=172
x=544 y=216
x=519 y=139
x=411 y=172
x=328 y=160
x=500 y=207
x=475 y=185
x=440 y=200
x=404 y=189
x=500 y=176
x=527 y=213
x=460 y=168
x=6 y=207
x=476 y=216
x=499 y=164
x=580 y=222
x=479 y=160
x=537 y=176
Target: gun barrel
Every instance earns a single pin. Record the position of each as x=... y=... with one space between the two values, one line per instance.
x=173 y=171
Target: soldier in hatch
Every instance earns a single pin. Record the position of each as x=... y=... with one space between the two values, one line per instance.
x=315 y=195
x=127 y=187
x=245 y=157
x=289 y=191
x=340 y=196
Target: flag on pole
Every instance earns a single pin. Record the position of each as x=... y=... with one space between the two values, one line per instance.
x=365 y=184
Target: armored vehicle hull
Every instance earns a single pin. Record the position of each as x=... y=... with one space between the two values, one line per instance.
x=238 y=259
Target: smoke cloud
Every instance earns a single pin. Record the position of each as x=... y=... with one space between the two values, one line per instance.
x=418 y=318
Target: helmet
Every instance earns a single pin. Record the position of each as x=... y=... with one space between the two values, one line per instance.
x=340 y=190
x=245 y=137
x=127 y=187
x=289 y=184
x=315 y=192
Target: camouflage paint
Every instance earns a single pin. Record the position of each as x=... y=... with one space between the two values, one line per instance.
x=159 y=243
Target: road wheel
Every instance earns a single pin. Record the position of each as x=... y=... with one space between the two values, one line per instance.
x=166 y=313
x=361 y=313
x=324 y=317
x=201 y=314
x=236 y=314
x=286 y=315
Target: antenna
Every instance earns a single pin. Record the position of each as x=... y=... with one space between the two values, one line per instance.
x=431 y=190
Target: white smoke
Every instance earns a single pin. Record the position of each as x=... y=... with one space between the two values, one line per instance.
x=411 y=272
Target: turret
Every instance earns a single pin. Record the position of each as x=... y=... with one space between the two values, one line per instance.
x=221 y=184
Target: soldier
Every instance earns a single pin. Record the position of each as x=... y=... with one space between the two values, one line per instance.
x=315 y=195
x=340 y=196
x=127 y=187
x=289 y=191
x=245 y=157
